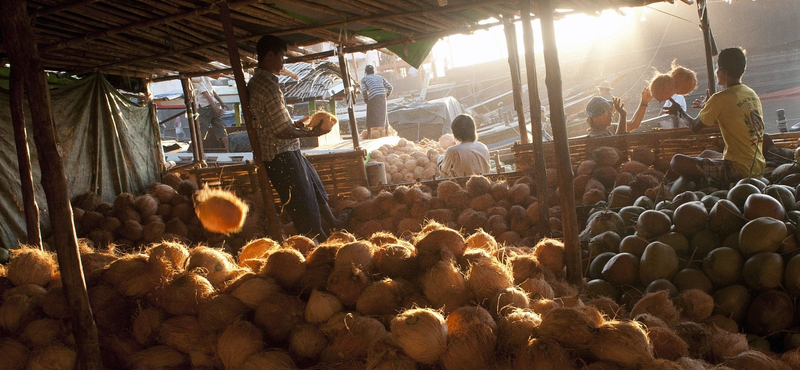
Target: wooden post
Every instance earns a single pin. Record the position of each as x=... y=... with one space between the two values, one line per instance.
x=516 y=83
x=349 y=98
x=563 y=163
x=23 y=157
x=273 y=221
x=705 y=26
x=195 y=121
x=539 y=168
x=156 y=128
x=187 y=100
x=24 y=57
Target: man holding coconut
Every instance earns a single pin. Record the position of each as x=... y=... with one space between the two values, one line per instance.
x=737 y=110
x=292 y=175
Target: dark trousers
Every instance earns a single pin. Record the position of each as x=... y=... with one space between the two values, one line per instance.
x=300 y=190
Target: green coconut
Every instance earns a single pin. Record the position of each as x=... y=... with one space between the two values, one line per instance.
x=763 y=271
x=791 y=277
x=690 y=217
x=603 y=221
x=692 y=278
x=723 y=266
x=621 y=196
x=783 y=194
x=659 y=261
x=763 y=205
x=651 y=224
x=771 y=311
x=601 y=288
x=633 y=244
x=678 y=242
x=607 y=241
x=621 y=269
x=725 y=218
x=732 y=301
x=739 y=193
x=703 y=242
x=597 y=264
x=763 y=234
x=630 y=214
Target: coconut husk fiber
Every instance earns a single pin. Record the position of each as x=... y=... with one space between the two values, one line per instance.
x=220 y=211
x=515 y=329
x=29 y=265
x=421 y=333
x=240 y=340
x=306 y=342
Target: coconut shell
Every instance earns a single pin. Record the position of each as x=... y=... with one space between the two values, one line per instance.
x=543 y=354
x=257 y=248
x=54 y=357
x=240 y=340
x=220 y=211
x=218 y=265
x=29 y=265
x=300 y=243
x=132 y=275
x=353 y=341
x=622 y=342
x=662 y=87
x=145 y=325
x=321 y=307
x=659 y=305
x=347 y=283
x=695 y=304
x=667 y=344
x=286 y=266
x=421 y=333
x=306 y=342
x=251 y=290
x=382 y=297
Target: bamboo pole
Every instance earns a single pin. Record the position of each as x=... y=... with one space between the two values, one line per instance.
x=20 y=44
x=349 y=98
x=273 y=222
x=539 y=168
x=23 y=158
x=187 y=100
x=160 y=160
x=516 y=83
x=563 y=163
x=705 y=27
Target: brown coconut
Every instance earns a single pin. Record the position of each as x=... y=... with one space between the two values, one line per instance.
x=568 y=326
x=440 y=238
x=15 y=312
x=220 y=211
x=306 y=342
x=722 y=344
x=667 y=344
x=481 y=240
x=300 y=243
x=251 y=290
x=695 y=304
x=157 y=357
x=662 y=86
x=543 y=354
x=132 y=275
x=753 y=359
x=54 y=357
x=286 y=266
x=162 y=192
x=167 y=258
x=176 y=227
x=485 y=278
x=29 y=265
x=472 y=351
x=146 y=205
x=183 y=333
x=321 y=307
x=382 y=297
x=515 y=329
x=659 y=305
x=217 y=313
x=622 y=342
x=184 y=294
x=385 y=355
x=277 y=315
x=421 y=333
x=240 y=340
x=354 y=339
x=684 y=79
x=478 y=185
x=54 y=304
x=358 y=253
x=550 y=254
x=396 y=260
x=347 y=283
x=269 y=360
x=219 y=266
x=15 y=354
x=537 y=288
x=112 y=311
x=145 y=325
x=507 y=300
x=443 y=282
x=525 y=267
x=256 y=248
x=43 y=332
x=518 y=193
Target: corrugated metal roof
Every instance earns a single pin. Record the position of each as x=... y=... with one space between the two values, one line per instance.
x=314 y=81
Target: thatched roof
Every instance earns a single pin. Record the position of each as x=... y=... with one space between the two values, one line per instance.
x=150 y=38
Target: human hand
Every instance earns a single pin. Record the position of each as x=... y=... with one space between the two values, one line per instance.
x=647 y=95
x=301 y=122
x=319 y=130
x=619 y=106
x=700 y=103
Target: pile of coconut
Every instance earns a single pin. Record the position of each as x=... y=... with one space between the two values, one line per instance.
x=166 y=211
x=434 y=299
x=506 y=210
x=407 y=161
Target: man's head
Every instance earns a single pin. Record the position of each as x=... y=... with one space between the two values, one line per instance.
x=604 y=88
x=598 y=111
x=369 y=69
x=271 y=51
x=463 y=127
x=731 y=62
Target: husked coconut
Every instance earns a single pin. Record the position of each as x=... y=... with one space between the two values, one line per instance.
x=421 y=333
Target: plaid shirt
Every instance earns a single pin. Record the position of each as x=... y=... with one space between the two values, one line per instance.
x=270 y=115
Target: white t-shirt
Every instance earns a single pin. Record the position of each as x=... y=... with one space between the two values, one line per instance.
x=678 y=99
x=202 y=84
x=465 y=159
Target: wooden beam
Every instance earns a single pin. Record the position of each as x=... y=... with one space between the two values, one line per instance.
x=708 y=41
x=20 y=43
x=23 y=157
x=539 y=168
x=349 y=98
x=516 y=83
x=61 y=8
x=190 y=113
x=273 y=221
x=569 y=218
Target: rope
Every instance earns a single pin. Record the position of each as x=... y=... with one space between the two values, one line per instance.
x=650 y=64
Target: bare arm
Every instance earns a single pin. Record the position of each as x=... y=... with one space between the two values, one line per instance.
x=623 y=116
x=693 y=123
x=214 y=106
x=293 y=132
x=221 y=103
x=638 y=116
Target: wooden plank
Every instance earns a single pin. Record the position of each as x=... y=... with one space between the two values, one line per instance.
x=20 y=43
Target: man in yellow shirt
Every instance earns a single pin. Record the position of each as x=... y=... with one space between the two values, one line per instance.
x=737 y=111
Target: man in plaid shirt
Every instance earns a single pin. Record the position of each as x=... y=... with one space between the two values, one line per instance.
x=292 y=175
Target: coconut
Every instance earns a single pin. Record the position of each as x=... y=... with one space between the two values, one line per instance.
x=485 y=278
x=15 y=354
x=347 y=283
x=722 y=344
x=667 y=344
x=359 y=254
x=184 y=294
x=481 y=240
x=153 y=231
x=508 y=299
x=286 y=266
x=461 y=321
x=123 y=200
x=662 y=87
x=440 y=241
x=695 y=304
x=382 y=297
x=478 y=185
x=537 y=288
x=323 y=119
x=54 y=357
x=354 y=339
x=396 y=261
x=550 y=254
x=240 y=340
x=112 y=311
x=218 y=264
x=606 y=156
x=126 y=214
x=146 y=205
x=277 y=315
x=753 y=359
x=15 y=312
x=220 y=211
x=162 y=192
x=770 y=312
x=132 y=275
x=684 y=79
x=306 y=342
x=568 y=326
x=385 y=355
x=42 y=333
x=515 y=329
x=321 y=307
x=186 y=188
x=217 y=313
x=167 y=257
x=54 y=304
x=176 y=227
x=31 y=265
x=145 y=325
x=257 y=248
x=421 y=333
x=443 y=281
x=622 y=342
x=543 y=354
x=183 y=333
x=157 y=357
x=659 y=305
x=518 y=193
x=471 y=351
x=251 y=290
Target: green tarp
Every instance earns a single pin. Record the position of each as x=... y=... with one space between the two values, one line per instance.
x=107 y=144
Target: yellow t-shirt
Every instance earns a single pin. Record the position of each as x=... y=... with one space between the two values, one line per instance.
x=737 y=111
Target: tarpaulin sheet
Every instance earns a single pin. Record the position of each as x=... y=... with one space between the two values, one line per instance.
x=108 y=145
x=430 y=119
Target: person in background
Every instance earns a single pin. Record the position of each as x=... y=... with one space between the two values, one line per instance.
x=681 y=100
x=469 y=156
x=599 y=112
x=738 y=113
x=376 y=91
x=294 y=178
x=545 y=126
x=604 y=90
x=208 y=111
